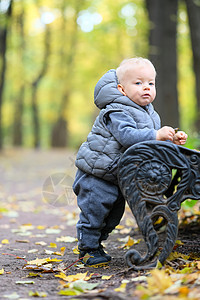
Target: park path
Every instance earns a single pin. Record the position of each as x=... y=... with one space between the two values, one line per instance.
x=30 y=222
x=38 y=215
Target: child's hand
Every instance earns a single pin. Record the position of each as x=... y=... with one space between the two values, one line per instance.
x=180 y=138
x=165 y=133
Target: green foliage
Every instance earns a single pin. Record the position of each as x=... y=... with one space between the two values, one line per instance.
x=186 y=82
x=78 y=58
x=86 y=39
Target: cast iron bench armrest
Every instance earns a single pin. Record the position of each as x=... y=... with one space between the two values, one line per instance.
x=155 y=178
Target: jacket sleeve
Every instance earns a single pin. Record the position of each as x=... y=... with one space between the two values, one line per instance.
x=124 y=129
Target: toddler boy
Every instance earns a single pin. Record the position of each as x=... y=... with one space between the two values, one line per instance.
x=124 y=97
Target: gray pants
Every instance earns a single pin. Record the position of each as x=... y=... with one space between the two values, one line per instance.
x=102 y=207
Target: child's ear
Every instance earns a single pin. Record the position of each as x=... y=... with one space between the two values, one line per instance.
x=121 y=89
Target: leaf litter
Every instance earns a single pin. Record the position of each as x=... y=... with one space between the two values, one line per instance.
x=45 y=238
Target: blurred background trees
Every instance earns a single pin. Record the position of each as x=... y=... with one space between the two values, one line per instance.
x=52 y=53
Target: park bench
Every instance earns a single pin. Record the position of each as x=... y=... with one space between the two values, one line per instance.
x=155 y=177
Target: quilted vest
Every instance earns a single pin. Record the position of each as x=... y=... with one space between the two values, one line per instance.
x=100 y=154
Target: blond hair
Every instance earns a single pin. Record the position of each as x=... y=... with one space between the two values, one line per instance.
x=126 y=64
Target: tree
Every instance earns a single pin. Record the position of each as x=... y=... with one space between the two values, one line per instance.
x=193 y=11
x=35 y=85
x=19 y=101
x=5 y=18
x=59 y=131
x=163 y=54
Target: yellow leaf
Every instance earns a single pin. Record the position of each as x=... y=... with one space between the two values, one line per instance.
x=105 y=277
x=184 y=290
x=71 y=278
x=129 y=241
x=121 y=288
x=41 y=227
x=159 y=281
x=178 y=242
x=61 y=253
x=38 y=261
x=42 y=261
x=5 y=241
x=62 y=276
x=52 y=245
x=76 y=251
x=158 y=265
x=174 y=255
x=34 y=275
x=2 y=271
x=158 y=221
x=198 y=264
x=62 y=250
x=53 y=260
x=88 y=277
x=119 y=227
x=37 y=294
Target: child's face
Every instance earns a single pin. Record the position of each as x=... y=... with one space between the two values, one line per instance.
x=138 y=84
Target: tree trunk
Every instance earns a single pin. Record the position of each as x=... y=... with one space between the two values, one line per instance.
x=193 y=10
x=35 y=85
x=162 y=52
x=4 y=25
x=19 y=101
x=59 y=131
x=18 y=128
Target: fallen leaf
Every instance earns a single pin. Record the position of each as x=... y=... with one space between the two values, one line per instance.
x=75 y=250
x=52 y=245
x=41 y=243
x=69 y=292
x=178 y=242
x=34 y=275
x=22 y=241
x=12 y=296
x=66 y=239
x=77 y=288
x=42 y=261
x=5 y=241
x=2 y=271
x=159 y=281
x=85 y=285
x=25 y=282
x=49 y=252
x=52 y=231
x=139 y=278
x=184 y=290
x=121 y=288
x=32 y=250
x=37 y=294
x=41 y=227
x=71 y=278
x=106 y=277
x=175 y=255
x=129 y=241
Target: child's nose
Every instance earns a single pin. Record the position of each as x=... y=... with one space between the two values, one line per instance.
x=146 y=87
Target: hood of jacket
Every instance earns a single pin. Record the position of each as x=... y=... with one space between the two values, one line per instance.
x=106 y=92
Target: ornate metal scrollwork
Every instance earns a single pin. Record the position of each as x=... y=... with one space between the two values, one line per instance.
x=155 y=177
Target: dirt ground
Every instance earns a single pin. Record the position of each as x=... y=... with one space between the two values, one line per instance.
x=38 y=218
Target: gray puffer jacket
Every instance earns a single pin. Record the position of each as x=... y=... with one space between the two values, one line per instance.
x=120 y=124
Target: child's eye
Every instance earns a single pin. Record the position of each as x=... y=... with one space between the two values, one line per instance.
x=138 y=82
x=151 y=83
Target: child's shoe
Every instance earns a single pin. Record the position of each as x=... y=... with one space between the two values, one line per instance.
x=93 y=257
x=103 y=253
